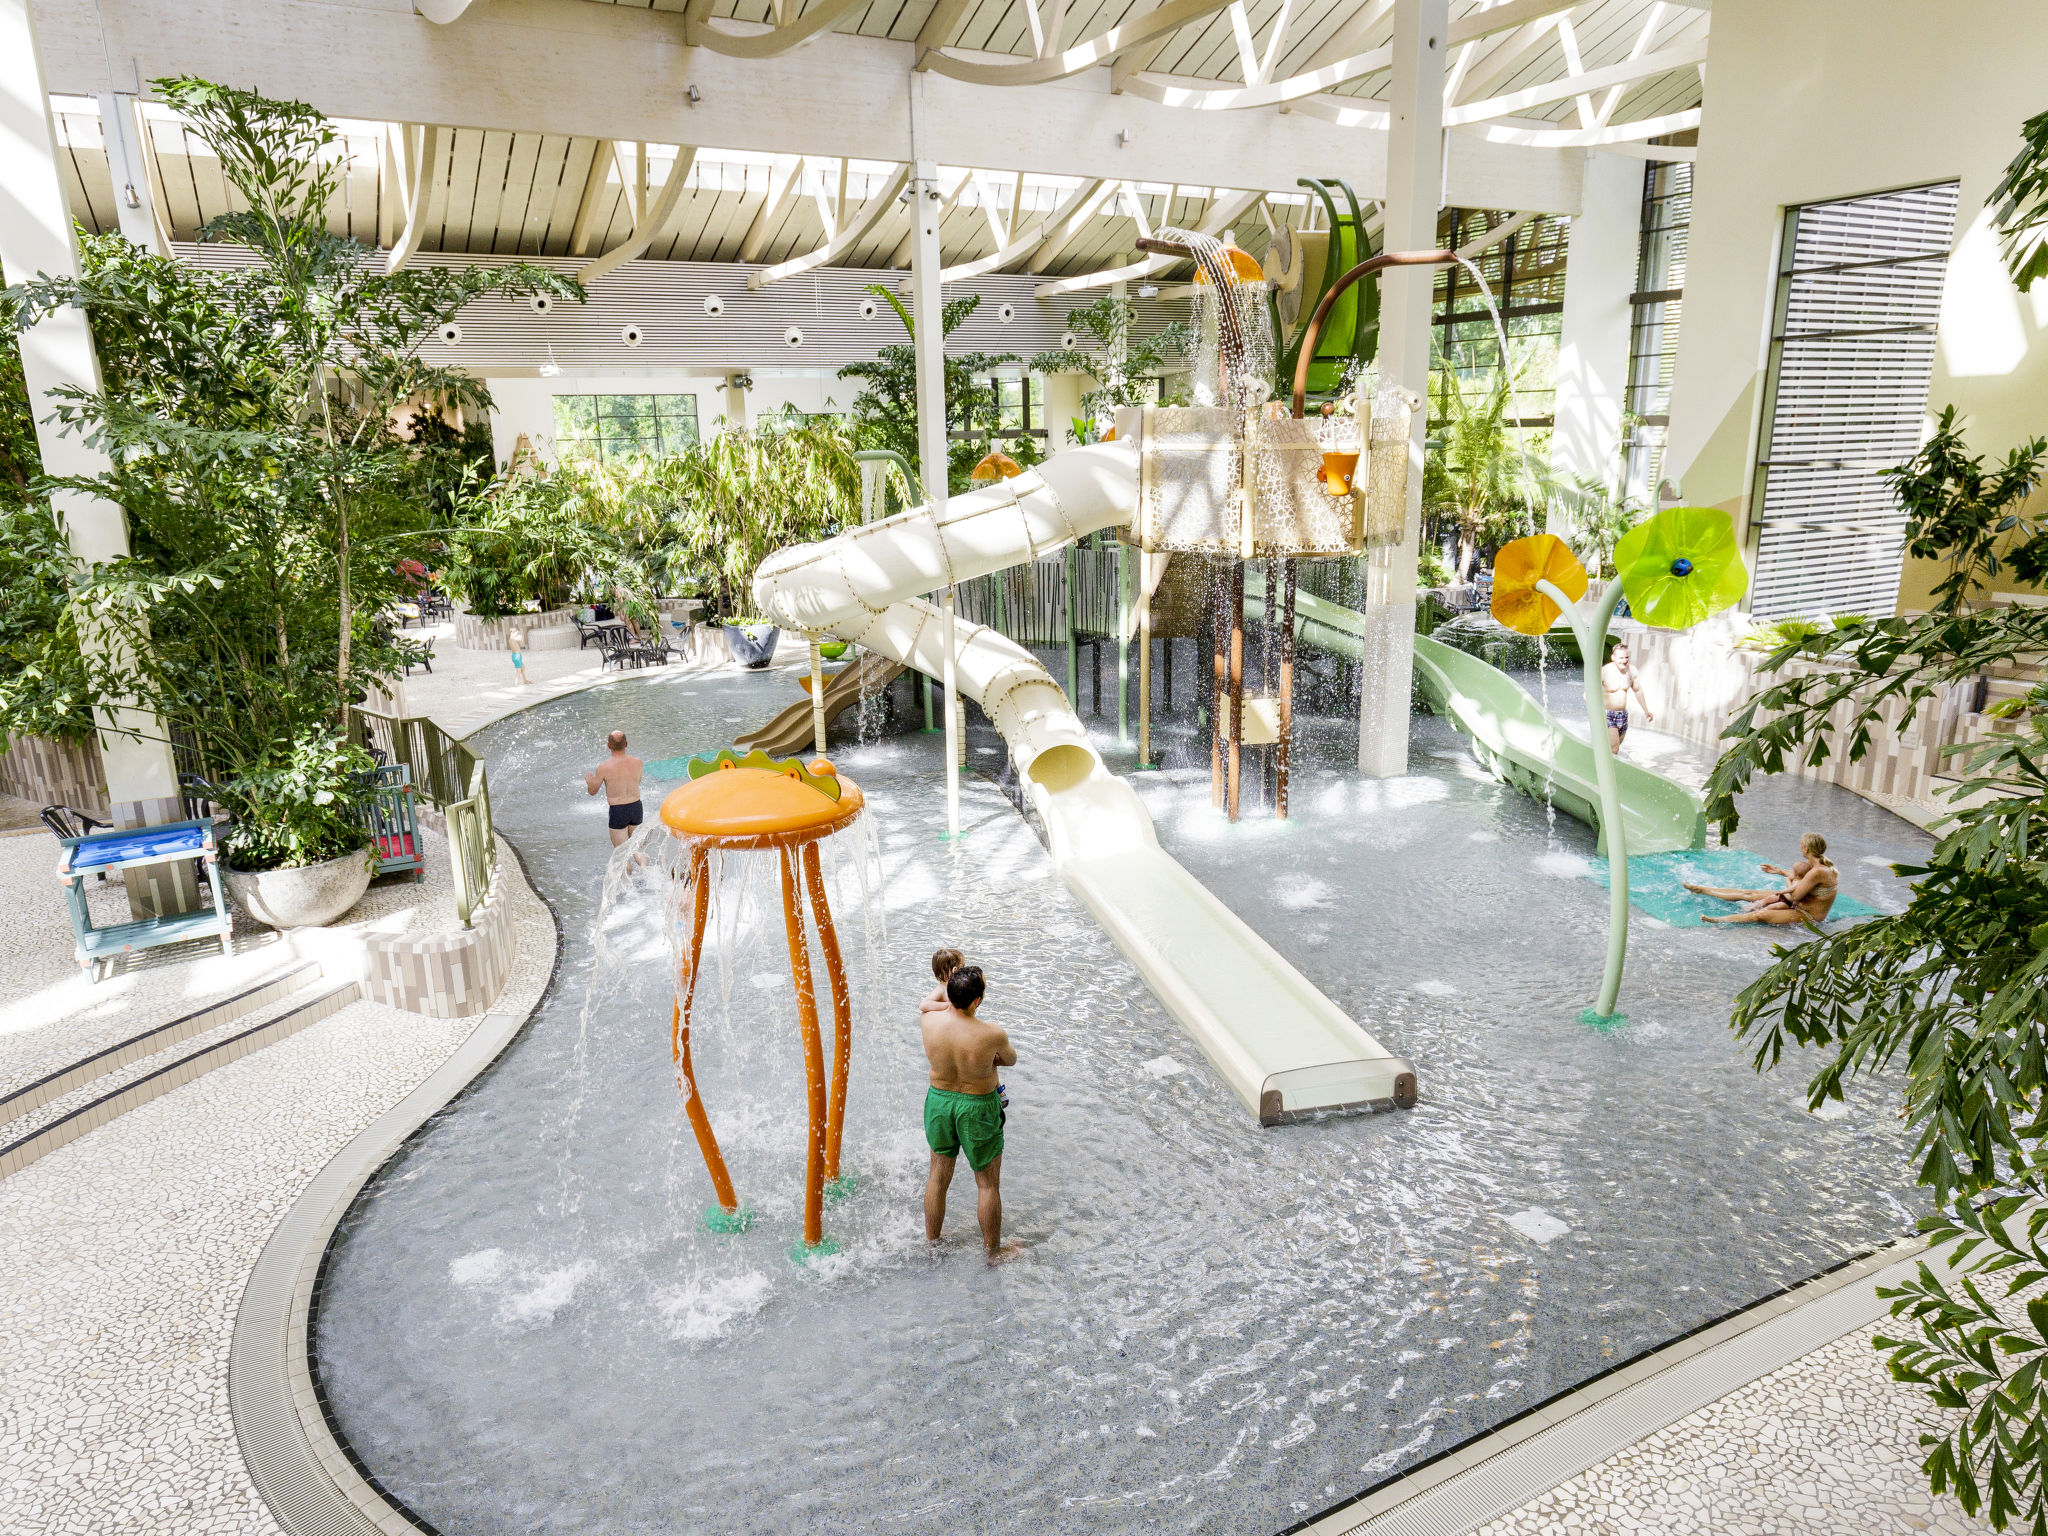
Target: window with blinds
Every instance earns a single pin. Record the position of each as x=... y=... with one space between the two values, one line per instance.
x=1655 y=309
x=1852 y=355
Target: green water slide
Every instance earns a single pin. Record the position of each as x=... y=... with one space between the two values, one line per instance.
x=1350 y=334
x=1514 y=736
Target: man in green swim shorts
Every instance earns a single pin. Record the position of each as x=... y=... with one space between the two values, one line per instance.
x=961 y=1110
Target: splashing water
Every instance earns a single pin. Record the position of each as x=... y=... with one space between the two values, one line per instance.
x=1234 y=346
x=643 y=925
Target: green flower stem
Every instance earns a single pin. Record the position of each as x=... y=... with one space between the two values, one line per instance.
x=1591 y=628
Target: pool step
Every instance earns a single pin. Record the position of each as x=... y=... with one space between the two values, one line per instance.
x=159 y=1037
x=59 y=1121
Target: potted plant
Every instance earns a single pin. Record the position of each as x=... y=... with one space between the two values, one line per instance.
x=752 y=640
x=299 y=855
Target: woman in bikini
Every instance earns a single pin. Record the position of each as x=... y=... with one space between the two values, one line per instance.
x=1808 y=894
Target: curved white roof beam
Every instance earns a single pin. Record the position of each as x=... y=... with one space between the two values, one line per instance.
x=785 y=184
x=1336 y=72
x=1023 y=245
x=1684 y=56
x=1068 y=230
x=1167 y=18
x=1221 y=216
x=870 y=215
x=1588 y=138
x=701 y=29
x=415 y=148
x=649 y=217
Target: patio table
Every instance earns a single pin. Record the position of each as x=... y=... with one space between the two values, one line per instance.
x=133 y=848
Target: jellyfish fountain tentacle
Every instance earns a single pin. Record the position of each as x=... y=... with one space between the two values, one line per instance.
x=842 y=1008
x=814 y=1052
x=686 y=996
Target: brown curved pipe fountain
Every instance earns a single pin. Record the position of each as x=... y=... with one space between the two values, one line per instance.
x=1365 y=268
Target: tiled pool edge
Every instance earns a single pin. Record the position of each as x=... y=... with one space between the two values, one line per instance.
x=308 y=1479
x=1502 y=1470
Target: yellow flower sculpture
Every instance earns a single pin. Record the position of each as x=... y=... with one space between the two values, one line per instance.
x=1517 y=569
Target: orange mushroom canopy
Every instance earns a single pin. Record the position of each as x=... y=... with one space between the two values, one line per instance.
x=996 y=466
x=758 y=801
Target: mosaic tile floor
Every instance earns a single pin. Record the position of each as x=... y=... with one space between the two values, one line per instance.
x=123 y=1257
x=1825 y=1446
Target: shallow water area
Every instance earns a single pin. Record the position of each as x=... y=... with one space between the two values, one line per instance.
x=1214 y=1327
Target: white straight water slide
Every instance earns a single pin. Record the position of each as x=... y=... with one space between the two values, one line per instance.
x=1281 y=1045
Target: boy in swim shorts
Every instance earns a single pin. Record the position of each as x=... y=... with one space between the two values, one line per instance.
x=944 y=963
x=962 y=1111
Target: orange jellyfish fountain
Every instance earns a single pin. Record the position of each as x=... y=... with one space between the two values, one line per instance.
x=761 y=803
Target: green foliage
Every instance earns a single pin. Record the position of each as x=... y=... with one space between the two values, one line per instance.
x=248 y=417
x=1478 y=477
x=1430 y=569
x=304 y=804
x=1979 y=1360
x=1599 y=520
x=2021 y=198
x=1954 y=989
x=1794 y=632
x=1123 y=369
x=534 y=541
x=721 y=507
x=1958 y=512
x=20 y=460
x=45 y=689
x=885 y=411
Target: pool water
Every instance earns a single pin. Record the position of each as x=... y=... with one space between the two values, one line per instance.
x=1214 y=1327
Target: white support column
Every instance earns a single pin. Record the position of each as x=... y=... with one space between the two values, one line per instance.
x=1592 y=358
x=1415 y=169
x=927 y=307
x=36 y=237
x=134 y=204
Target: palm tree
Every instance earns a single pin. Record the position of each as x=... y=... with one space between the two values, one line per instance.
x=1478 y=476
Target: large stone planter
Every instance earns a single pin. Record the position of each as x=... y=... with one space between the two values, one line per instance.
x=753 y=645
x=311 y=896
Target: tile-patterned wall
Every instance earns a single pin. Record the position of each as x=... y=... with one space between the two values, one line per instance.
x=1696 y=680
x=451 y=975
x=56 y=773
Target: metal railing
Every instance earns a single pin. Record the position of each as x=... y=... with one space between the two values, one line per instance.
x=1029 y=603
x=453 y=779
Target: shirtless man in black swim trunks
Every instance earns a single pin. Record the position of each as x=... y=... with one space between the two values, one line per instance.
x=619 y=777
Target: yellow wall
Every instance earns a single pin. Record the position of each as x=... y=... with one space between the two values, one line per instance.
x=1814 y=99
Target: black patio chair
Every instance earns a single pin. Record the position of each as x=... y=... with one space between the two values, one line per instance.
x=65 y=822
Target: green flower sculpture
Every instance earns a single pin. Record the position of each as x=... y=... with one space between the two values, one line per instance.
x=1681 y=566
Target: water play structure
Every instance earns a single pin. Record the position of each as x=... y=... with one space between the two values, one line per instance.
x=1514 y=737
x=1228 y=478
x=757 y=804
x=799 y=725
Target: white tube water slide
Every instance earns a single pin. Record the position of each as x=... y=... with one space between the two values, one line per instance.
x=1281 y=1045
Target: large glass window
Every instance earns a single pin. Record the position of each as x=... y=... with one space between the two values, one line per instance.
x=1524 y=272
x=1852 y=356
x=1020 y=406
x=624 y=426
x=1655 y=311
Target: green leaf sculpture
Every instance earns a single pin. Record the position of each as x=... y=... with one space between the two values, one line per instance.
x=1681 y=567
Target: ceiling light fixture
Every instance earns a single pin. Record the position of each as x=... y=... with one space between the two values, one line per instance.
x=1148 y=290
x=550 y=368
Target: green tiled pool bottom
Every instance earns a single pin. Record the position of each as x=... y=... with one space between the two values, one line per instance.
x=1657 y=881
